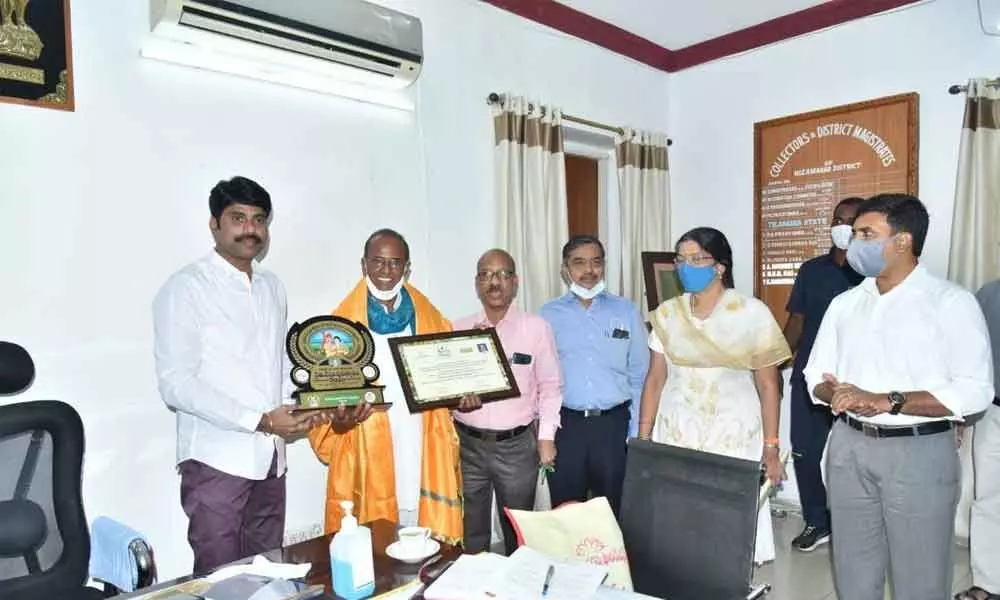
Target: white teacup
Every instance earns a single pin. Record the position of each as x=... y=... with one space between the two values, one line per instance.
x=413 y=540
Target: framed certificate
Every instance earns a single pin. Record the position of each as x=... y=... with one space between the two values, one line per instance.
x=437 y=369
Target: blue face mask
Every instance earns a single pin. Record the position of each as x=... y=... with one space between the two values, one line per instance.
x=696 y=279
x=867 y=257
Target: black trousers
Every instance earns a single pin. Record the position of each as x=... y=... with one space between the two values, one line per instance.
x=810 y=429
x=590 y=457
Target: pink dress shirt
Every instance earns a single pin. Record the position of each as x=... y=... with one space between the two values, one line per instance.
x=540 y=381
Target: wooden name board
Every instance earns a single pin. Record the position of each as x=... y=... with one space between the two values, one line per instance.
x=805 y=164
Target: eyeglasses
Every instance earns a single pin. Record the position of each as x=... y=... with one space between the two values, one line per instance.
x=503 y=275
x=698 y=260
x=394 y=264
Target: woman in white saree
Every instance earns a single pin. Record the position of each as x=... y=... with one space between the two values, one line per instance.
x=713 y=381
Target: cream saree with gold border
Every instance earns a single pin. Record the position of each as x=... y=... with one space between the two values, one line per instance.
x=710 y=401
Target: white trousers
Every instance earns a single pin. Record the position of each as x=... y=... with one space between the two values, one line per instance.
x=984 y=526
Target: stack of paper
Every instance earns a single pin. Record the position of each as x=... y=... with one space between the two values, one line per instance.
x=470 y=578
x=520 y=577
x=526 y=572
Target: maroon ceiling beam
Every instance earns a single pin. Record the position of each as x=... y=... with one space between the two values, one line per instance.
x=814 y=18
x=579 y=24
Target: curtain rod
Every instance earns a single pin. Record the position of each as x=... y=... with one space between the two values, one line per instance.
x=495 y=98
x=959 y=89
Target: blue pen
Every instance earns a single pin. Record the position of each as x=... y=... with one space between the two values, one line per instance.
x=548 y=580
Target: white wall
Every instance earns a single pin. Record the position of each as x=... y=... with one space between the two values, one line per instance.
x=101 y=205
x=924 y=49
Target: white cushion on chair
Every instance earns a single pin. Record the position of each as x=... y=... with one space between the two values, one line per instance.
x=581 y=531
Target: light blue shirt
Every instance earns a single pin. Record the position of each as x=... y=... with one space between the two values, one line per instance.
x=602 y=352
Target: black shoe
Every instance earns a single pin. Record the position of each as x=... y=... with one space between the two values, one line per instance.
x=811 y=538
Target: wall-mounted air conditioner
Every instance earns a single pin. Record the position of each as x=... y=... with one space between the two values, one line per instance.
x=989 y=16
x=348 y=48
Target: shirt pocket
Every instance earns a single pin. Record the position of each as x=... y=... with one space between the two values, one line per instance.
x=618 y=341
x=521 y=372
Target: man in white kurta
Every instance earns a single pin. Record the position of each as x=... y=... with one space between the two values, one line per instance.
x=984 y=528
x=396 y=466
x=407 y=429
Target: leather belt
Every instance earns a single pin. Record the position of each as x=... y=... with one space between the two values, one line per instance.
x=596 y=412
x=889 y=431
x=490 y=435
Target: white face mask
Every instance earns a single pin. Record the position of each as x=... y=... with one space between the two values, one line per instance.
x=586 y=294
x=384 y=296
x=841 y=235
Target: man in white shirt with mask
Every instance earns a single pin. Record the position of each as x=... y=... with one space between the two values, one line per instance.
x=601 y=340
x=901 y=359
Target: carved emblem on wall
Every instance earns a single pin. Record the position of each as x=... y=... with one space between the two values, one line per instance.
x=36 y=65
x=17 y=38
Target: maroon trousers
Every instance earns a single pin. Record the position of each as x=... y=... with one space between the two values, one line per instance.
x=231 y=517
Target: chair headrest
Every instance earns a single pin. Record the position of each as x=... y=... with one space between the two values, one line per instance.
x=17 y=370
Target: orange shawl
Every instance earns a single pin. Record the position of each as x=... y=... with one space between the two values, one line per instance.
x=360 y=461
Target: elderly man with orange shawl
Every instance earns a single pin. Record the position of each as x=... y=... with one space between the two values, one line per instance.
x=393 y=465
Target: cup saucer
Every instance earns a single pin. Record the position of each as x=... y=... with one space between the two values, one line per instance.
x=396 y=551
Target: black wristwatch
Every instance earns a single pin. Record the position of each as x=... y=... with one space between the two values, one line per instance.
x=897 y=400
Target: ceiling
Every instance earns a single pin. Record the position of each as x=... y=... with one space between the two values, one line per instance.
x=676 y=24
x=677 y=34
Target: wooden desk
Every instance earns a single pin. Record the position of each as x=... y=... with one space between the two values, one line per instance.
x=389 y=574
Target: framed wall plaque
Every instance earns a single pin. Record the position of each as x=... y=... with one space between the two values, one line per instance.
x=660 y=274
x=437 y=369
x=36 y=54
x=805 y=164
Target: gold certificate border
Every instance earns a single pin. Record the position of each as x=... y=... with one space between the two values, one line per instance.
x=488 y=335
x=455 y=341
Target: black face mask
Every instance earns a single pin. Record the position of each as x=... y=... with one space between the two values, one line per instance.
x=17 y=370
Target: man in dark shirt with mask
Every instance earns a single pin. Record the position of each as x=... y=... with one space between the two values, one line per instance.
x=819 y=280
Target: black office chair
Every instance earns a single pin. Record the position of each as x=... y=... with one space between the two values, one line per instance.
x=17 y=370
x=44 y=542
x=689 y=521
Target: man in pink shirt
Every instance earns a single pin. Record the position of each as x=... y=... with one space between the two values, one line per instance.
x=504 y=442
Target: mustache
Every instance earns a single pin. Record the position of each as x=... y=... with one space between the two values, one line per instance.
x=249 y=236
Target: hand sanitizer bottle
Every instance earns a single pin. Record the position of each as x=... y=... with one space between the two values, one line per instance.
x=351 y=558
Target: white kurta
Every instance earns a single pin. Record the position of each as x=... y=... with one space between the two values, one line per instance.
x=406 y=429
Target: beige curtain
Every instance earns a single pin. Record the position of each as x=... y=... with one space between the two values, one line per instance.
x=975 y=228
x=530 y=195
x=644 y=198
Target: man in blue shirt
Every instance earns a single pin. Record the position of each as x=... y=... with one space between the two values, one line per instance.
x=601 y=339
x=819 y=280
